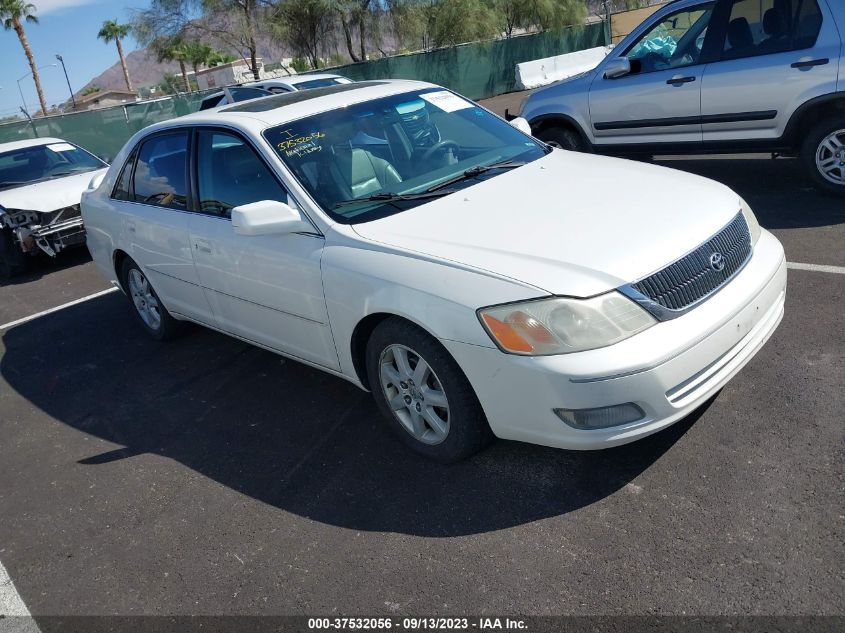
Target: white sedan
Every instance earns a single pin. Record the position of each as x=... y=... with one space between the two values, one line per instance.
x=478 y=282
x=41 y=182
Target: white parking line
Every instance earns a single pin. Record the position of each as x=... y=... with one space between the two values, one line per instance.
x=819 y=268
x=14 y=616
x=6 y=326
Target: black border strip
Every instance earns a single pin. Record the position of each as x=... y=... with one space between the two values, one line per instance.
x=762 y=115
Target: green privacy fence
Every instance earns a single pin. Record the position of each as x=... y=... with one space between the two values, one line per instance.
x=103 y=132
x=478 y=70
x=481 y=69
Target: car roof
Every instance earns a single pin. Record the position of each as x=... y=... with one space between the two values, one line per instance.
x=30 y=142
x=258 y=114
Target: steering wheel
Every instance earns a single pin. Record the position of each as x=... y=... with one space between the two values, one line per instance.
x=439 y=147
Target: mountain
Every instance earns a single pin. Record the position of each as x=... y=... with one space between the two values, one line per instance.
x=144 y=70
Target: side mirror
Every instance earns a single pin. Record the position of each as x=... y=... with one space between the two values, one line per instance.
x=521 y=124
x=617 y=67
x=268 y=217
x=105 y=158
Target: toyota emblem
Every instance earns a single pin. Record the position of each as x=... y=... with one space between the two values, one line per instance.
x=717 y=262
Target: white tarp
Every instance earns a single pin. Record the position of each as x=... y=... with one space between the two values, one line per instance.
x=541 y=72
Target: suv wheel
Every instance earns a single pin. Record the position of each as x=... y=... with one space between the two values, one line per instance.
x=422 y=393
x=147 y=307
x=12 y=258
x=562 y=138
x=823 y=154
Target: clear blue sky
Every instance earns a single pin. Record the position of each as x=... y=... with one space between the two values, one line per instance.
x=69 y=28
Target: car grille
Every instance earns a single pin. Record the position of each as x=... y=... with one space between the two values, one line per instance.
x=702 y=272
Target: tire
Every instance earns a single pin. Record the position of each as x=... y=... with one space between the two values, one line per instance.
x=563 y=138
x=823 y=155
x=446 y=434
x=13 y=260
x=146 y=306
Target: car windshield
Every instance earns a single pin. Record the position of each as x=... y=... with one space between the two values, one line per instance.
x=384 y=156
x=28 y=165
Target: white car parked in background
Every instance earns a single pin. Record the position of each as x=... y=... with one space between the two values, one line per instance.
x=41 y=182
x=479 y=282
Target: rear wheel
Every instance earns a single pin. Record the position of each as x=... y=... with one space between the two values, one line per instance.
x=12 y=259
x=147 y=307
x=562 y=137
x=823 y=154
x=422 y=393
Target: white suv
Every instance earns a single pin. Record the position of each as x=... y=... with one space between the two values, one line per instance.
x=713 y=76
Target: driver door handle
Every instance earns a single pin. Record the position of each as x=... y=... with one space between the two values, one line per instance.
x=808 y=63
x=677 y=80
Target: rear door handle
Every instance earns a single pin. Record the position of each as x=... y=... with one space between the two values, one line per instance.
x=203 y=246
x=809 y=63
x=678 y=80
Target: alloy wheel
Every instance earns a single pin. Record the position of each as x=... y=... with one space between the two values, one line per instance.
x=145 y=301
x=830 y=157
x=415 y=394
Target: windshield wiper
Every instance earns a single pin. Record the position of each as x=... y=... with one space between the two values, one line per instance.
x=476 y=171
x=394 y=197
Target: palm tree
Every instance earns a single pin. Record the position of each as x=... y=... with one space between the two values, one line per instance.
x=13 y=13
x=111 y=30
x=170 y=49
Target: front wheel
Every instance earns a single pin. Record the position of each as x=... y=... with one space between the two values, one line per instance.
x=562 y=138
x=422 y=393
x=823 y=154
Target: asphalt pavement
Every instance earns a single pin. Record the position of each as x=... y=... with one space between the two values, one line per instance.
x=205 y=476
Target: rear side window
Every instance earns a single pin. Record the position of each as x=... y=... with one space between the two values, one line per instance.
x=763 y=27
x=160 y=173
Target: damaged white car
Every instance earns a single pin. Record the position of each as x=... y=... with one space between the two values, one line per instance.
x=41 y=182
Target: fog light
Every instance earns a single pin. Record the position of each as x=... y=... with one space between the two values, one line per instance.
x=602 y=417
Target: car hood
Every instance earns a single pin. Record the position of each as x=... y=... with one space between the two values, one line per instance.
x=569 y=224
x=48 y=195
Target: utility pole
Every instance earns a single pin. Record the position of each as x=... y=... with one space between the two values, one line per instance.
x=72 y=98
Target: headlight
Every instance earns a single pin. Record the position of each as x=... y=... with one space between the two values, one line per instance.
x=751 y=221
x=562 y=326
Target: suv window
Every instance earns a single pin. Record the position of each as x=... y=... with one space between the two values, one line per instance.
x=674 y=42
x=160 y=172
x=762 y=27
x=230 y=174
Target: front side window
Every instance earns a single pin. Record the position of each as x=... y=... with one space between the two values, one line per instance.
x=417 y=145
x=675 y=41
x=39 y=163
x=123 y=188
x=160 y=173
x=762 y=27
x=231 y=174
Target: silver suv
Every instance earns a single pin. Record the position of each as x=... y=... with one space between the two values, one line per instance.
x=713 y=76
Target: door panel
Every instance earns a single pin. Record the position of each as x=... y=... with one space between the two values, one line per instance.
x=659 y=101
x=753 y=91
x=152 y=202
x=265 y=288
x=647 y=109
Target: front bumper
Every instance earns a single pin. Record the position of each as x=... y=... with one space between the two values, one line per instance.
x=668 y=371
